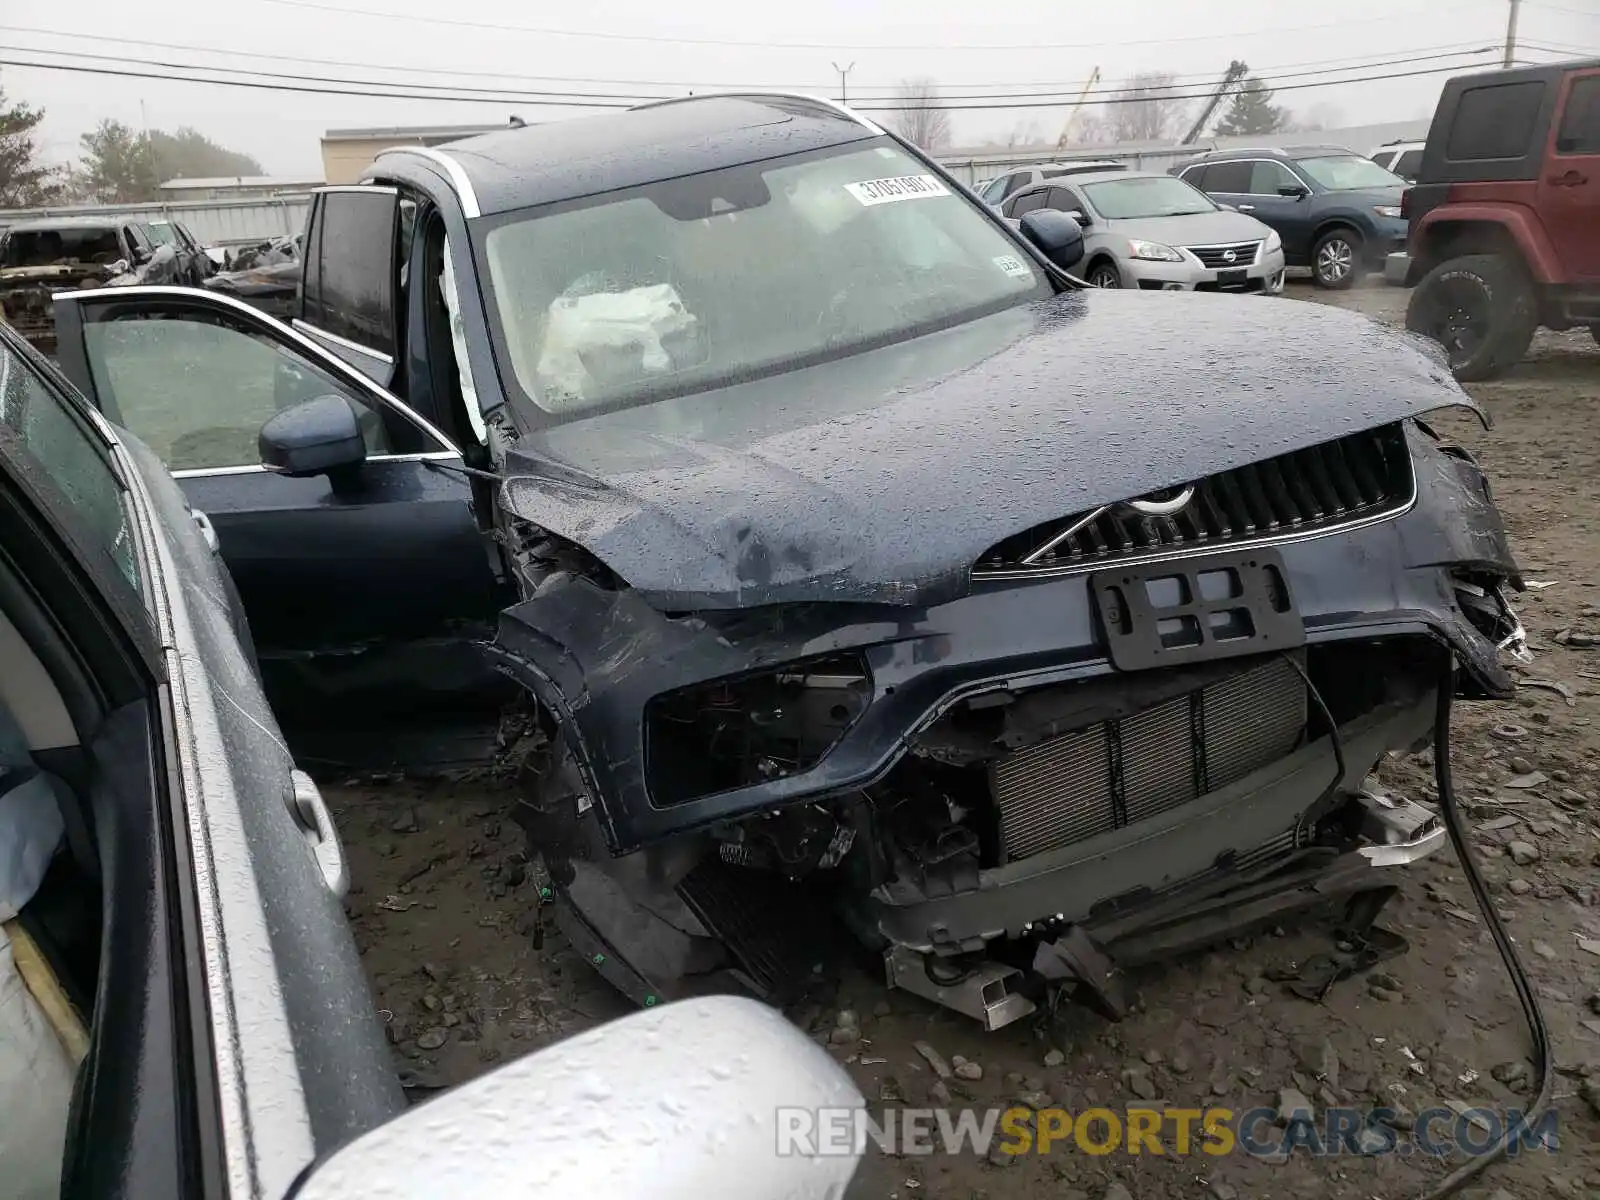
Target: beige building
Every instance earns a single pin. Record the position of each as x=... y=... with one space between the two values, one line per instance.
x=346 y=153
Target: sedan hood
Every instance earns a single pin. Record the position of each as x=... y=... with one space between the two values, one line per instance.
x=1197 y=229
x=883 y=477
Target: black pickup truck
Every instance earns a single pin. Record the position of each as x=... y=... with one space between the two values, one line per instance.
x=858 y=559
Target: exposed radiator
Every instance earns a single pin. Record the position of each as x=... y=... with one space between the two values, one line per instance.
x=1116 y=773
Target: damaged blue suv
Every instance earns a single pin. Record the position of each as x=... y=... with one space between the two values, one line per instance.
x=867 y=571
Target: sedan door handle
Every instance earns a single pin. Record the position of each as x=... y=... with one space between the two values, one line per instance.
x=1569 y=179
x=310 y=812
x=1245 y=207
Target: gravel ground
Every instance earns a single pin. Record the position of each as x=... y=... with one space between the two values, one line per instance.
x=466 y=977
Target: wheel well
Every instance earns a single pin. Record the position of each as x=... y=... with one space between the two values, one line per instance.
x=1445 y=240
x=1333 y=223
x=1095 y=259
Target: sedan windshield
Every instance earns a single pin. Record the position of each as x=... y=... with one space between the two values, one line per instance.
x=1348 y=173
x=1147 y=196
x=696 y=283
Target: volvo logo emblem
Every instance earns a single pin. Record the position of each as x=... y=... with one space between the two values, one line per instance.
x=1230 y=256
x=1165 y=503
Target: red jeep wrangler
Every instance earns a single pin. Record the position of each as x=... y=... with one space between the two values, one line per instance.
x=1505 y=215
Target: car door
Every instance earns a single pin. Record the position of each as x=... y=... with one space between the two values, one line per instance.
x=1569 y=188
x=354 y=587
x=1289 y=215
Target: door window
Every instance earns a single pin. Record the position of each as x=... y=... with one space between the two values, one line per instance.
x=1062 y=200
x=1266 y=177
x=351 y=294
x=1026 y=204
x=198 y=391
x=1408 y=164
x=74 y=469
x=1231 y=177
x=1580 y=122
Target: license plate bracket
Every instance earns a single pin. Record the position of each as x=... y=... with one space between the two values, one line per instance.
x=1197 y=609
x=1236 y=278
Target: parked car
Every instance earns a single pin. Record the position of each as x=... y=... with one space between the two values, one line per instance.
x=43 y=256
x=999 y=189
x=1156 y=233
x=1505 y=215
x=837 y=582
x=186 y=907
x=1400 y=157
x=194 y=265
x=273 y=288
x=1337 y=212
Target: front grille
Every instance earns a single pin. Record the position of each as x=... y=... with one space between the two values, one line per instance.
x=1216 y=257
x=1360 y=477
x=1117 y=773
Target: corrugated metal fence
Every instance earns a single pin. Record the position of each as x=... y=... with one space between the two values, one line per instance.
x=213 y=222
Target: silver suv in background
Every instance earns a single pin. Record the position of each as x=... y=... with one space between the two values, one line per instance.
x=1157 y=233
x=1006 y=186
x=1400 y=158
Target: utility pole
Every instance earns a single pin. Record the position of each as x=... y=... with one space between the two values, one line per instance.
x=844 y=72
x=1511 y=33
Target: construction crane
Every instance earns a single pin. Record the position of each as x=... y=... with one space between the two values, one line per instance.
x=1072 y=113
x=1234 y=74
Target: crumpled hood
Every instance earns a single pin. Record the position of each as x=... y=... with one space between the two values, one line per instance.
x=883 y=477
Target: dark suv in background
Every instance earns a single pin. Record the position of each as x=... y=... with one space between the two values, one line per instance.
x=1505 y=215
x=1338 y=212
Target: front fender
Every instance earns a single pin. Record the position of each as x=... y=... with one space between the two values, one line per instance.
x=1518 y=222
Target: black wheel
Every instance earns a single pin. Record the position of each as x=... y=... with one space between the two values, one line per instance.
x=1336 y=259
x=1481 y=308
x=1104 y=274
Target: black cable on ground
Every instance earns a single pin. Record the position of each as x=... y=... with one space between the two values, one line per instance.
x=1520 y=983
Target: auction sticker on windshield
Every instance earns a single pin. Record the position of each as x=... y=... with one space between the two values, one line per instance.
x=898 y=187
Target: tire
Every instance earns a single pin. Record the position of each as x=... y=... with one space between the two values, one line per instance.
x=1336 y=259
x=1481 y=308
x=1104 y=274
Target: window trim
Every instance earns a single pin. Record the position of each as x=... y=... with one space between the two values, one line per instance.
x=294 y=339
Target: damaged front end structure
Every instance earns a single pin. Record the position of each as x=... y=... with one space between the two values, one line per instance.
x=1132 y=730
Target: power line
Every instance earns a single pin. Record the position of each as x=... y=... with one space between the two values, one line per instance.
x=1286 y=70
x=1162 y=96
x=493 y=95
x=359 y=87
x=507 y=94
x=1575 y=12
x=546 y=31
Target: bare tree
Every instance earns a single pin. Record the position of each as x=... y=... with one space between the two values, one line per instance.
x=921 y=117
x=1145 y=109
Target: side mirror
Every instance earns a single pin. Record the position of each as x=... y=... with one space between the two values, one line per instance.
x=1077 y=215
x=679 y=1102
x=1055 y=234
x=1294 y=191
x=1224 y=207
x=315 y=437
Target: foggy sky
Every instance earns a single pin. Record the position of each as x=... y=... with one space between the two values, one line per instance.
x=1194 y=38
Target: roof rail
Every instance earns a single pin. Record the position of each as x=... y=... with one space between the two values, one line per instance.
x=821 y=102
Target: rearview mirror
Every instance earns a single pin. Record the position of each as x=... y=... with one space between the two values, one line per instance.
x=1055 y=234
x=315 y=437
x=1294 y=191
x=705 y=1097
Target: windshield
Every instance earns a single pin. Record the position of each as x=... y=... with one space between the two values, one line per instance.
x=46 y=247
x=161 y=235
x=1348 y=173
x=696 y=283
x=1147 y=196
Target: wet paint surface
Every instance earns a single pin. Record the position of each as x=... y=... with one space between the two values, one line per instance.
x=882 y=477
